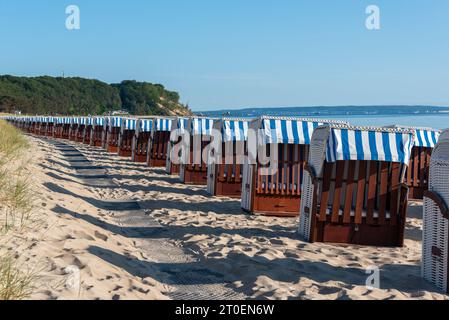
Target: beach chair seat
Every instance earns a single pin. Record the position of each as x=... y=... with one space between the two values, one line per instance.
x=435 y=247
x=353 y=189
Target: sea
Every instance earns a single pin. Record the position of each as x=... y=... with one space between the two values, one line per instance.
x=413 y=116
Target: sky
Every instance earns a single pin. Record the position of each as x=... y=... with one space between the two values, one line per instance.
x=235 y=54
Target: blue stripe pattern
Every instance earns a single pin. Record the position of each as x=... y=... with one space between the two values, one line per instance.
x=146 y=125
x=365 y=144
x=235 y=130
x=115 y=122
x=289 y=131
x=426 y=138
x=129 y=124
x=163 y=124
x=201 y=126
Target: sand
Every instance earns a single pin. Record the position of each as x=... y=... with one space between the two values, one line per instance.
x=167 y=240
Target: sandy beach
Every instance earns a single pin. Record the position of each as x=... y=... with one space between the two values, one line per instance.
x=134 y=232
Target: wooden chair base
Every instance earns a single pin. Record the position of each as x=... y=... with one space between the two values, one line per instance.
x=195 y=177
x=225 y=189
x=367 y=235
x=158 y=163
x=277 y=205
x=174 y=169
x=141 y=158
x=112 y=149
x=125 y=153
x=416 y=193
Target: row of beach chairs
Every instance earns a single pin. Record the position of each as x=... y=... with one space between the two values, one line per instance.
x=347 y=184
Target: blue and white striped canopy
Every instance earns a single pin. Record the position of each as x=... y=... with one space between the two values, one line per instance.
x=115 y=122
x=377 y=144
x=426 y=138
x=98 y=121
x=146 y=125
x=201 y=126
x=289 y=130
x=163 y=124
x=129 y=124
x=235 y=130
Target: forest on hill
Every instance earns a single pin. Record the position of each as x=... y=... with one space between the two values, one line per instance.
x=78 y=96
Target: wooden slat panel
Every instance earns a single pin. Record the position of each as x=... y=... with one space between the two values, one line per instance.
x=349 y=192
x=416 y=167
x=372 y=185
x=360 y=196
x=394 y=208
x=383 y=192
x=422 y=167
x=328 y=167
x=297 y=171
x=337 y=191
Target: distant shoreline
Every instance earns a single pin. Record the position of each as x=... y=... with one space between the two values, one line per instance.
x=331 y=111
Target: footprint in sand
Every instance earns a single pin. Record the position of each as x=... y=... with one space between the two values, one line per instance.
x=101 y=236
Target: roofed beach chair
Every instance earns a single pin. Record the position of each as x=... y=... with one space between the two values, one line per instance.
x=417 y=176
x=274 y=187
x=353 y=189
x=114 y=125
x=50 y=128
x=98 y=133
x=178 y=128
x=127 y=131
x=435 y=246
x=193 y=169
x=33 y=125
x=141 y=139
x=42 y=130
x=88 y=130
x=224 y=176
x=159 y=142
x=57 y=132
x=74 y=128
x=66 y=128
x=81 y=128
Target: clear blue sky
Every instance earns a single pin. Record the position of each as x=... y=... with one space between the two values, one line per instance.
x=240 y=53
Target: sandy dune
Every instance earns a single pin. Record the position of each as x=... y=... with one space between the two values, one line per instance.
x=136 y=233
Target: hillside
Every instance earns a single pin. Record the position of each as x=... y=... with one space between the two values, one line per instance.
x=70 y=96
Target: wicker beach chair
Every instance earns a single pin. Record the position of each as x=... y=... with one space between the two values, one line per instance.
x=225 y=173
x=353 y=190
x=98 y=133
x=114 y=125
x=81 y=129
x=435 y=246
x=140 y=140
x=178 y=128
x=50 y=128
x=193 y=169
x=159 y=142
x=125 y=141
x=88 y=130
x=274 y=188
x=74 y=128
